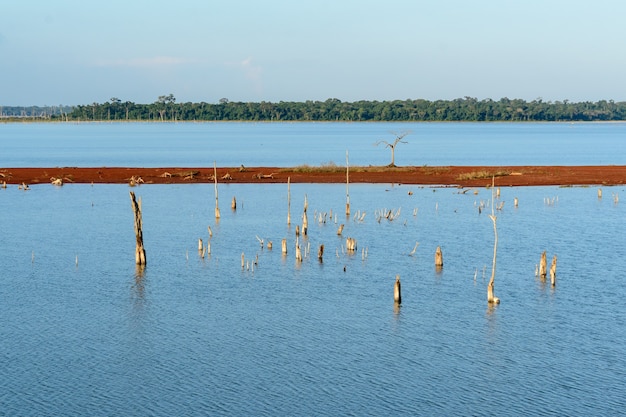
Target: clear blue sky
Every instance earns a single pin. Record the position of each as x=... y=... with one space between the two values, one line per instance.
x=83 y=51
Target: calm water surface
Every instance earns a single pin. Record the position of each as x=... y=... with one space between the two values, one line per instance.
x=83 y=332
x=291 y=144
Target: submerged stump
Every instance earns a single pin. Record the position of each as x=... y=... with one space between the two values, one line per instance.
x=438 y=258
x=397 y=291
x=543 y=265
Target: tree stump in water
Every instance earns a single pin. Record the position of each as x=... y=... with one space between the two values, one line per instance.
x=553 y=271
x=397 y=291
x=140 y=253
x=543 y=266
x=438 y=258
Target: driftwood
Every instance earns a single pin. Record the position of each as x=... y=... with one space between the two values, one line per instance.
x=135 y=180
x=260 y=176
x=140 y=253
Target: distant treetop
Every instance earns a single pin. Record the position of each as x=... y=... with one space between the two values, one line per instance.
x=469 y=109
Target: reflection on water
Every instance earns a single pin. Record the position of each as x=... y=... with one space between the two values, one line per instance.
x=206 y=336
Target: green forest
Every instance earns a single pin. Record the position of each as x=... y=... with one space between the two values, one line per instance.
x=469 y=109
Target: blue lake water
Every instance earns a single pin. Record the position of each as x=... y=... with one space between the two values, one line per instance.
x=83 y=332
x=291 y=144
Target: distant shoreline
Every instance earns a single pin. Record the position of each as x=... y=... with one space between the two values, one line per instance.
x=461 y=176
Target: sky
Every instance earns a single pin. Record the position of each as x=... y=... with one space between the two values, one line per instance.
x=74 y=52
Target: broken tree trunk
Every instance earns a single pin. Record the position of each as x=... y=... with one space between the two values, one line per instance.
x=305 y=219
x=553 y=271
x=140 y=253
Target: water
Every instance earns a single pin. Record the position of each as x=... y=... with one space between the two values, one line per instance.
x=292 y=144
x=85 y=333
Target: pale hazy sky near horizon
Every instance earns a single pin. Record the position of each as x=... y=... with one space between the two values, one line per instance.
x=79 y=52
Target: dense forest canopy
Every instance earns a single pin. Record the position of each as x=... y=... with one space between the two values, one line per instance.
x=468 y=109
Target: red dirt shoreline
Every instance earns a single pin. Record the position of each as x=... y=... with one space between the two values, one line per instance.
x=462 y=176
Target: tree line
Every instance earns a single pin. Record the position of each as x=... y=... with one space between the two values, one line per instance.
x=165 y=108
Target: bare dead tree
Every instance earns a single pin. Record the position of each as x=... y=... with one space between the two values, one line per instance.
x=393 y=145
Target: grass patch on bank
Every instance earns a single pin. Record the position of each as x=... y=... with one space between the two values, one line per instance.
x=331 y=167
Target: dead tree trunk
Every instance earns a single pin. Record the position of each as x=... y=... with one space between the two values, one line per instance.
x=305 y=219
x=553 y=271
x=347 y=184
x=543 y=266
x=217 y=209
x=491 y=298
x=140 y=253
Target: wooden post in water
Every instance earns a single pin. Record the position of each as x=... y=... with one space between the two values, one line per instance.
x=553 y=271
x=320 y=253
x=543 y=266
x=350 y=244
x=599 y=193
x=217 y=209
x=438 y=258
x=397 y=291
x=233 y=204
x=340 y=230
x=140 y=253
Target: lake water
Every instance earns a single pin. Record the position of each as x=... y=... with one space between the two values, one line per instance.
x=83 y=332
x=292 y=144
